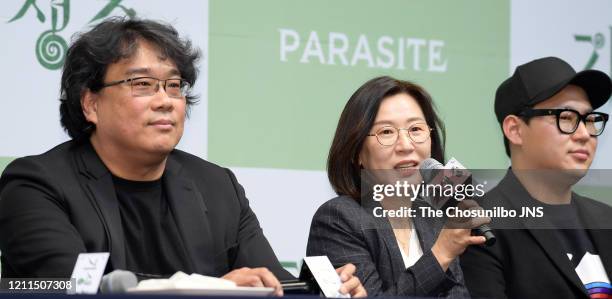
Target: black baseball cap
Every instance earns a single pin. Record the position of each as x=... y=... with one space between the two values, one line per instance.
x=540 y=79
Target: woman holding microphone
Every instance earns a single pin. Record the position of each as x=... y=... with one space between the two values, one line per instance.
x=389 y=124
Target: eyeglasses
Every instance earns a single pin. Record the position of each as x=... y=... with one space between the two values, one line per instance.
x=148 y=86
x=569 y=119
x=388 y=135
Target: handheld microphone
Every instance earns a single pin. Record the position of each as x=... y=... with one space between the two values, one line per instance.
x=430 y=168
x=118 y=281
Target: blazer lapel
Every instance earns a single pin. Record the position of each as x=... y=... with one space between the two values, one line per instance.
x=425 y=233
x=548 y=241
x=99 y=183
x=190 y=213
x=517 y=196
x=426 y=230
x=385 y=231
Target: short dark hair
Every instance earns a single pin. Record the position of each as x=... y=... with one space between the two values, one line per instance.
x=356 y=120
x=114 y=39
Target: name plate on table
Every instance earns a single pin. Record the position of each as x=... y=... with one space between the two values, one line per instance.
x=88 y=272
x=326 y=276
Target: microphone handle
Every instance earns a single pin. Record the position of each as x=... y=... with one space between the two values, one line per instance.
x=483 y=230
x=486 y=231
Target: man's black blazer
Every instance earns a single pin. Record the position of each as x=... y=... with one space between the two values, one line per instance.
x=529 y=262
x=61 y=203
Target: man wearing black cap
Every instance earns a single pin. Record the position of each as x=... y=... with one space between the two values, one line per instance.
x=546 y=112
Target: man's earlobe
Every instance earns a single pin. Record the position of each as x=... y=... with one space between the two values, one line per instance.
x=89 y=104
x=512 y=127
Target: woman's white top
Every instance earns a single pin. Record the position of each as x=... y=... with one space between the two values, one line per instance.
x=414 y=249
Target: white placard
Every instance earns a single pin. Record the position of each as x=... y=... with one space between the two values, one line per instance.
x=326 y=276
x=88 y=271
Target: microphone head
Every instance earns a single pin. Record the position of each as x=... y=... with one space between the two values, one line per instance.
x=428 y=169
x=118 y=281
